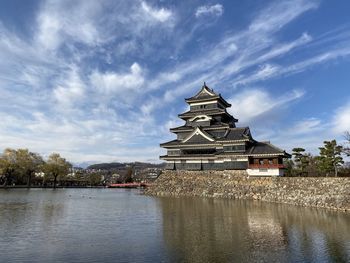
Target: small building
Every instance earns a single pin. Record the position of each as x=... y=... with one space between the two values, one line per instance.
x=210 y=140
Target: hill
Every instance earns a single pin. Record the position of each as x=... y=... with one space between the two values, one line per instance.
x=117 y=165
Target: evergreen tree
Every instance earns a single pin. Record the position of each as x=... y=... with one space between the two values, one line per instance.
x=330 y=158
x=312 y=169
x=301 y=160
x=288 y=167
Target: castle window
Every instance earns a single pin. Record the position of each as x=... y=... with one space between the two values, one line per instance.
x=174 y=152
x=234 y=148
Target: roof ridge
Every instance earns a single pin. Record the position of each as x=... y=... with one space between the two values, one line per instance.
x=252 y=149
x=238 y=128
x=207 y=90
x=273 y=146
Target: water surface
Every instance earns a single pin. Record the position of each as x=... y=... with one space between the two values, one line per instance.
x=116 y=225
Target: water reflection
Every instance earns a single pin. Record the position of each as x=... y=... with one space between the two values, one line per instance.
x=207 y=230
x=116 y=225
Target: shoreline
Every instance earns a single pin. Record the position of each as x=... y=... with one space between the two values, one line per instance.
x=318 y=192
x=45 y=187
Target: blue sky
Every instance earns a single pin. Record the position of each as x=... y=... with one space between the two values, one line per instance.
x=104 y=80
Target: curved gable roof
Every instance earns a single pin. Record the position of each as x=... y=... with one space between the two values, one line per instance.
x=198 y=136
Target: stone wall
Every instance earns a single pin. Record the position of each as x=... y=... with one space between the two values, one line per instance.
x=305 y=191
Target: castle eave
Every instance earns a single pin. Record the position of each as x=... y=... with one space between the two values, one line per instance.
x=185 y=145
x=210 y=140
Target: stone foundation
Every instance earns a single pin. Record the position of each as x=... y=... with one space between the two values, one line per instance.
x=322 y=192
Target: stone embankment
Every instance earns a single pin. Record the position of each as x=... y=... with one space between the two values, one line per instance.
x=322 y=192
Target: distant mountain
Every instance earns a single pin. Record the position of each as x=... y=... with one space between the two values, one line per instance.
x=116 y=165
x=83 y=164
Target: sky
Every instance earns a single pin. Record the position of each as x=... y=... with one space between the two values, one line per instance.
x=103 y=81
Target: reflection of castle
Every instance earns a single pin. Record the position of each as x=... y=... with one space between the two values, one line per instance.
x=210 y=140
x=202 y=230
x=219 y=230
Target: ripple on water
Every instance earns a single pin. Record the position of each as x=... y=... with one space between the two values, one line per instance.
x=118 y=225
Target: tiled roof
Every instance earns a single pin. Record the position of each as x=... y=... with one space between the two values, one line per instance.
x=204 y=93
x=232 y=134
x=182 y=128
x=264 y=148
x=207 y=94
x=236 y=134
x=192 y=113
x=180 y=143
x=190 y=128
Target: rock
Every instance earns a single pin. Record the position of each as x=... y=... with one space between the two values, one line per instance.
x=317 y=192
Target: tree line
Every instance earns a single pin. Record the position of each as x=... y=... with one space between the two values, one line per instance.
x=20 y=167
x=329 y=162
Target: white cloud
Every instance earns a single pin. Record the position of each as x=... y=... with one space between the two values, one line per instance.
x=61 y=21
x=37 y=72
x=63 y=24
x=341 y=119
x=160 y=15
x=49 y=27
x=276 y=15
x=331 y=54
x=265 y=71
x=213 y=10
x=252 y=103
x=306 y=126
x=240 y=51
x=111 y=82
x=281 y=49
x=70 y=89
x=273 y=71
x=79 y=138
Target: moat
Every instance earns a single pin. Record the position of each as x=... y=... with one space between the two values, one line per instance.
x=120 y=225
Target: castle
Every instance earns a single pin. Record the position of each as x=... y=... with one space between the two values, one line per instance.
x=210 y=140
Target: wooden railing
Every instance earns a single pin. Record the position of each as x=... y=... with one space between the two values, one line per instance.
x=258 y=166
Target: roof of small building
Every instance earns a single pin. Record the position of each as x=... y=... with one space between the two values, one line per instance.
x=265 y=148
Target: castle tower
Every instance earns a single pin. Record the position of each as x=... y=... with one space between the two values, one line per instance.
x=210 y=140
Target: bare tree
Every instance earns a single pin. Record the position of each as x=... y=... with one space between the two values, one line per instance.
x=56 y=166
x=8 y=165
x=28 y=163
